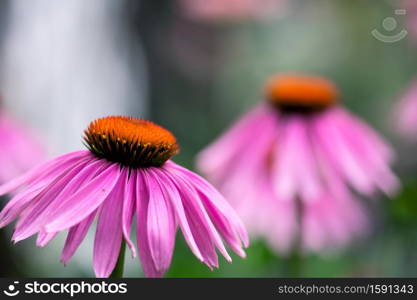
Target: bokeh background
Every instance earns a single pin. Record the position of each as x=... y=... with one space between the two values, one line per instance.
x=64 y=63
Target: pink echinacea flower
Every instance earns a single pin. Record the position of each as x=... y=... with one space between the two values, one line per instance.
x=126 y=172
x=289 y=166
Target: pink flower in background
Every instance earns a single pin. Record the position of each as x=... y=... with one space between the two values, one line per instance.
x=289 y=165
x=406 y=113
x=127 y=172
x=19 y=150
x=231 y=10
x=411 y=13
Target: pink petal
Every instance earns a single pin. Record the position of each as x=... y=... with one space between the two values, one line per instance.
x=77 y=207
x=218 y=156
x=142 y=199
x=129 y=204
x=371 y=151
x=175 y=198
x=58 y=192
x=44 y=238
x=45 y=170
x=212 y=198
x=197 y=237
x=281 y=225
x=161 y=227
x=109 y=233
x=365 y=164
x=193 y=204
x=32 y=219
x=307 y=178
x=285 y=160
x=31 y=194
x=75 y=236
x=203 y=240
x=333 y=144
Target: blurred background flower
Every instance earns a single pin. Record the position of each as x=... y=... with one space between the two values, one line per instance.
x=406 y=113
x=232 y=10
x=65 y=63
x=287 y=166
x=20 y=149
x=411 y=7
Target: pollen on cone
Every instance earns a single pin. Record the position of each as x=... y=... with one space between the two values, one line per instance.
x=301 y=90
x=130 y=141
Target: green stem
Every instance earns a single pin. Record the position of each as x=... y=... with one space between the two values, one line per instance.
x=294 y=264
x=118 y=270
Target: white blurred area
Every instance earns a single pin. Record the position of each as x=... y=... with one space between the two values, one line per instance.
x=66 y=63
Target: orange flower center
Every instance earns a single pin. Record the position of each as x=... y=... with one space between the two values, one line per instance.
x=301 y=92
x=129 y=141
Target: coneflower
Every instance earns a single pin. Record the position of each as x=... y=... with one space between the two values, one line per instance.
x=127 y=171
x=289 y=165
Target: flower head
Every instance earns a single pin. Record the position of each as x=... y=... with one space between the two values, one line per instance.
x=127 y=172
x=292 y=91
x=294 y=180
x=130 y=142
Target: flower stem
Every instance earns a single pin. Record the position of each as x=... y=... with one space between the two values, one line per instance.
x=294 y=267
x=118 y=269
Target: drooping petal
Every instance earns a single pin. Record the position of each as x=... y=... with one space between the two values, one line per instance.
x=217 y=205
x=372 y=137
x=52 y=197
x=129 y=204
x=294 y=170
x=142 y=199
x=371 y=151
x=46 y=170
x=212 y=199
x=82 y=203
x=175 y=198
x=161 y=225
x=76 y=235
x=29 y=196
x=224 y=172
x=44 y=238
x=280 y=224
x=32 y=219
x=109 y=233
x=334 y=146
x=217 y=157
x=331 y=222
x=203 y=240
x=193 y=204
x=196 y=236
x=357 y=152
x=308 y=178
